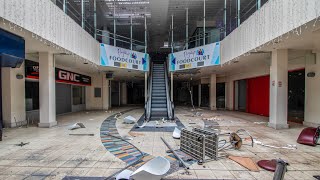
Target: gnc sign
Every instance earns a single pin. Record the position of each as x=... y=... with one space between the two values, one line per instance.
x=68 y=76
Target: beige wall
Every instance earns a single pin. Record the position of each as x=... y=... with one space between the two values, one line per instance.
x=97 y=103
x=13 y=97
x=312 y=93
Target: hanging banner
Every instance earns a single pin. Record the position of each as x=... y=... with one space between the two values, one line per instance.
x=123 y=58
x=207 y=55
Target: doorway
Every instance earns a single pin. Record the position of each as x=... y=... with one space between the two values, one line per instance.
x=296 y=95
x=221 y=91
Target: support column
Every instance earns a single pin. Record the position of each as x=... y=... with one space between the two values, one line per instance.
x=258 y=4
x=13 y=97
x=65 y=6
x=229 y=95
x=279 y=90
x=204 y=22
x=225 y=18
x=95 y=18
x=213 y=90
x=105 y=93
x=114 y=24
x=82 y=15
x=187 y=28
x=199 y=95
x=312 y=91
x=47 y=90
x=238 y=12
x=124 y=95
x=131 y=32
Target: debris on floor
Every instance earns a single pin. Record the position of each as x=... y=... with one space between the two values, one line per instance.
x=76 y=126
x=269 y=165
x=129 y=120
x=245 y=162
x=317 y=177
x=22 y=144
x=176 y=133
x=135 y=134
x=260 y=122
x=84 y=134
x=309 y=136
x=288 y=146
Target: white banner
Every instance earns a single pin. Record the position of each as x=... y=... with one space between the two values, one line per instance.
x=123 y=58
x=202 y=56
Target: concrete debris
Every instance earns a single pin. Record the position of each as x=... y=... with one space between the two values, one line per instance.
x=262 y=122
x=176 y=133
x=129 y=120
x=76 y=126
x=124 y=175
x=81 y=134
x=289 y=146
x=22 y=144
x=135 y=134
x=154 y=169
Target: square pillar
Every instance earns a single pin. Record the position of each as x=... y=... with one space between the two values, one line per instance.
x=124 y=97
x=213 y=90
x=279 y=90
x=105 y=93
x=13 y=97
x=47 y=90
x=312 y=91
x=229 y=95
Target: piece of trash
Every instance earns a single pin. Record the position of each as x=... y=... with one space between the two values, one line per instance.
x=245 y=162
x=142 y=126
x=259 y=122
x=289 y=146
x=154 y=169
x=129 y=120
x=192 y=123
x=81 y=134
x=135 y=134
x=76 y=126
x=22 y=144
x=176 y=133
x=124 y=175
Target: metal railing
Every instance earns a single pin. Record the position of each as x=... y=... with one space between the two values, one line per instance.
x=170 y=105
x=149 y=99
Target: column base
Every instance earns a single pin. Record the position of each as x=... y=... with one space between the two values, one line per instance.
x=310 y=124
x=278 y=126
x=47 y=125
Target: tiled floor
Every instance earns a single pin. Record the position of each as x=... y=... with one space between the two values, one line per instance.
x=53 y=153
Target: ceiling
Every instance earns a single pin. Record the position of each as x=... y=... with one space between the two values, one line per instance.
x=158 y=14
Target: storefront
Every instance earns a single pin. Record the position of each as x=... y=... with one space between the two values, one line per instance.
x=70 y=91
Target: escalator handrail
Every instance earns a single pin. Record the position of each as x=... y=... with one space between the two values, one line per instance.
x=169 y=103
x=149 y=99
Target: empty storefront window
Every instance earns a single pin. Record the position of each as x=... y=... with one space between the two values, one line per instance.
x=32 y=96
x=78 y=95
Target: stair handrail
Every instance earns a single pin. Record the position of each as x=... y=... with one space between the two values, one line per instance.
x=169 y=102
x=149 y=99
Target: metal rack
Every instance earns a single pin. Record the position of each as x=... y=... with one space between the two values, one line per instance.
x=200 y=144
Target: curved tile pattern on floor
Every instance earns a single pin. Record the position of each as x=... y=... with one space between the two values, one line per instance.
x=125 y=151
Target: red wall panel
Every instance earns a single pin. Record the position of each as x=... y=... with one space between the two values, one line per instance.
x=258 y=92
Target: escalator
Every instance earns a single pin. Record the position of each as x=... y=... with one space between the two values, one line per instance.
x=159 y=105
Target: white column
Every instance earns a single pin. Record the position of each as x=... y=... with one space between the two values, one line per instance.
x=312 y=91
x=279 y=89
x=13 y=97
x=105 y=93
x=124 y=95
x=199 y=94
x=213 y=90
x=229 y=95
x=47 y=90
